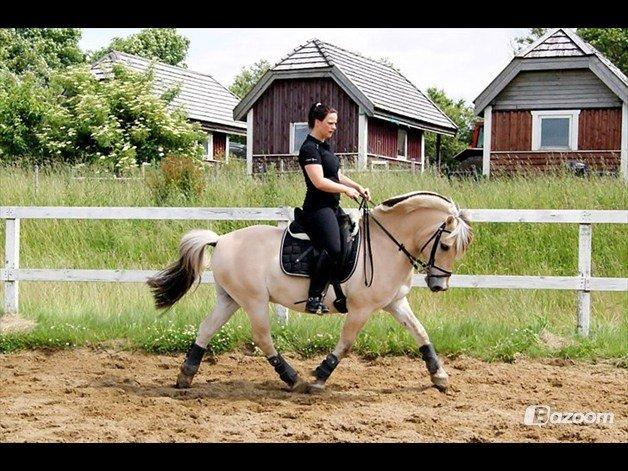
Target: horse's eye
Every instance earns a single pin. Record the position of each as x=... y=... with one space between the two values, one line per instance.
x=444 y=247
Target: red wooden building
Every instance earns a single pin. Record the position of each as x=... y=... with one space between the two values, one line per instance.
x=382 y=116
x=204 y=99
x=558 y=102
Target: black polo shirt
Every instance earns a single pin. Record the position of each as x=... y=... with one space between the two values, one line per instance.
x=314 y=151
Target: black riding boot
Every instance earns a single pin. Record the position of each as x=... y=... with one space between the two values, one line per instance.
x=319 y=282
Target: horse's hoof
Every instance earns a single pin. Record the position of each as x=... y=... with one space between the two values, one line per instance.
x=440 y=380
x=300 y=387
x=184 y=380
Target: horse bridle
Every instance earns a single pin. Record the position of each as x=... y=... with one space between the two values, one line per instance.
x=417 y=263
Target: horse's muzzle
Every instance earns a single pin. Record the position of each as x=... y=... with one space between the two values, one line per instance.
x=436 y=284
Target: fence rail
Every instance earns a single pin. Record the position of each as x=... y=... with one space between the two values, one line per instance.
x=583 y=283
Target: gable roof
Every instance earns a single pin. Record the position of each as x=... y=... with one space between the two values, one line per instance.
x=378 y=88
x=201 y=96
x=559 y=48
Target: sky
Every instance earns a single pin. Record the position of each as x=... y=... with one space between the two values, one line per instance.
x=461 y=61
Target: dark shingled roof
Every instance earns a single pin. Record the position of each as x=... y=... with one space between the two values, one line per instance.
x=201 y=96
x=562 y=42
x=388 y=92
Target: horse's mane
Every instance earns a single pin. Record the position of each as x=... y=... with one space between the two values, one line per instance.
x=408 y=202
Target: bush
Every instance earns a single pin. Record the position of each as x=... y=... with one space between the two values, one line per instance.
x=118 y=122
x=179 y=178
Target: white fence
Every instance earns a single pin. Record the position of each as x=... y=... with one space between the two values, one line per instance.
x=583 y=283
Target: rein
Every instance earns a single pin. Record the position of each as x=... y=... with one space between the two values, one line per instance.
x=417 y=264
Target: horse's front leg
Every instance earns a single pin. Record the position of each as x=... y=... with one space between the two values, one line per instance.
x=401 y=310
x=353 y=324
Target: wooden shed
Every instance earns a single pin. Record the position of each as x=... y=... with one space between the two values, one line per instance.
x=204 y=99
x=382 y=116
x=559 y=102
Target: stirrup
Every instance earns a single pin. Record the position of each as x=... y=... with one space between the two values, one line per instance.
x=315 y=305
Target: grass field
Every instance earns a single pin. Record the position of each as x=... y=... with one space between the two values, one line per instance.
x=491 y=324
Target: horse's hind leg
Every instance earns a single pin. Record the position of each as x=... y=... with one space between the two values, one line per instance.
x=401 y=310
x=260 y=325
x=224 y=309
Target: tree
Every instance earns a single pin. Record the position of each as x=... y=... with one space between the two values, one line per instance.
x=160 y=44
x=23 y=104
x=524 y=41
x=461 y=114
x=248 y=77
x=612 y=42
x=39 y=50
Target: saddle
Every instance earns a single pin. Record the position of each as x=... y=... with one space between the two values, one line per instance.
x=298 y=255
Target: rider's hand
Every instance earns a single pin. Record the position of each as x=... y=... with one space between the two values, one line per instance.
x=366 y=193
x=352 y=193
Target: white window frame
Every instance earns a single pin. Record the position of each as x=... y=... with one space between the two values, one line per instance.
x=537 y=117
x=210 y=146
x=292 y=132
x=405 y=144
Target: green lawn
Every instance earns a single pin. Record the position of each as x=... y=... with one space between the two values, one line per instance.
x=491 y=324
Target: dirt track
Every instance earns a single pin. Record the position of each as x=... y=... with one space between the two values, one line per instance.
x=114 y=396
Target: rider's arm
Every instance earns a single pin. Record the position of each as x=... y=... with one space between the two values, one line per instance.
x=315 y=172
x=348 y=182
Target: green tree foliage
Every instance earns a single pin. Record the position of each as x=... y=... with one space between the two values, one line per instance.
x=248 y=77
x=115 y=123
x=118 y=122
x=461 y=114
x=23 y=104
x=612 y=42
x=521 y=42
x=39 y=50
x=160 y=44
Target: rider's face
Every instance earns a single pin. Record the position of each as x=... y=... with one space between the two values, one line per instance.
x=327 y=126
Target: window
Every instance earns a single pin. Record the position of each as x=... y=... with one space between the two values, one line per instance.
x=555 y=130
x=208 y=145
x=402 y=143
x=480 y=143
x=298 y=133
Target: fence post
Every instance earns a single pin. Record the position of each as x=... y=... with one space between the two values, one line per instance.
x=36 y=178
x=11 y=263
x=584 y=268
x=282 y=312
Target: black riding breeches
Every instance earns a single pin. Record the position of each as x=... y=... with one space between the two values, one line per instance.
x=322 y=227
x=324 y=231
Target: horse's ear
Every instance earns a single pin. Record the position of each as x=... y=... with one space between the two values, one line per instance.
x=450 y=221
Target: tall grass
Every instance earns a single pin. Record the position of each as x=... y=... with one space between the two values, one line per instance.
x=492 y=324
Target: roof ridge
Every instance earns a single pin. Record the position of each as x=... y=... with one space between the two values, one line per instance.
x=182 y=69
x=296 y=49
x=578 y=42
x=318 y=46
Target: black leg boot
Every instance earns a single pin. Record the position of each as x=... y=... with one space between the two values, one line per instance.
x=190 y=366
x=319 y=282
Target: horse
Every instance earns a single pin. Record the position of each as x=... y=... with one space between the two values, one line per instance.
x=247 y=274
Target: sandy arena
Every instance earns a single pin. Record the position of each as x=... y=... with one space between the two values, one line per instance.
x=105 y=395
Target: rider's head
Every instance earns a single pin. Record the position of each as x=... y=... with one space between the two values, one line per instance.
x=322 y=121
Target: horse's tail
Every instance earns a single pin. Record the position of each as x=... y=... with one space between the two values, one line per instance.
x=170 y=284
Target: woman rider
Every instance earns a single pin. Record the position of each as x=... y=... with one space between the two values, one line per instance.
x=325 y=183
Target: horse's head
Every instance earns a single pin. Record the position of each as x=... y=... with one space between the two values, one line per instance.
x=440 y=232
